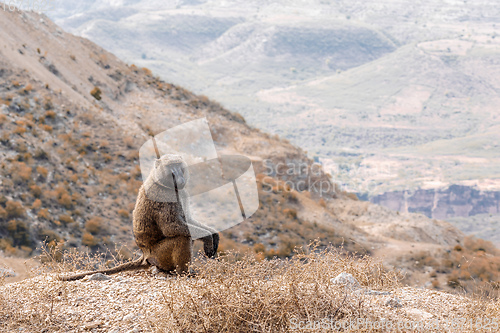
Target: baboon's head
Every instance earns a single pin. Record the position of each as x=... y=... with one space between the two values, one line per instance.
x=169 y=169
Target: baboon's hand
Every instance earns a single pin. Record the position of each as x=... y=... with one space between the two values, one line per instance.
x=210 y=245
x=215 y=239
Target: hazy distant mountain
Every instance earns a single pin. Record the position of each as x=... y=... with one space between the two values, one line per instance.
x=389 y=95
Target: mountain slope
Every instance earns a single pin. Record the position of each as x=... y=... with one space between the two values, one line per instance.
x=69 y=158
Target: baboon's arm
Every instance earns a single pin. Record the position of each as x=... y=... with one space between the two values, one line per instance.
x=189 y=217
x=209 y=236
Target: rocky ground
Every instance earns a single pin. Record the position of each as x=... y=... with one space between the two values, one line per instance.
x=135 y=302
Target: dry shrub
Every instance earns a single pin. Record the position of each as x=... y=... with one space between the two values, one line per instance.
x=47 y=128
x=56 y=257
x=352 y=196
x=226 y=244
x=27 y=89
x=238 y=118
x=259 y=247
x=476 y=244
x=21 y=147
x=128 y=141
x=89 y=240
x=21 y=173
x=37 y=204
x=3 y=213
x=292 y=196
x=14 y=209
x=74 y=178
x=94 y=225
x=65 y=201
x=237 y=293
x=48 y=235
x=19 y=232
x=20 y=130
x=66 y=219
x=107 y=157
x=96 y=93
x=42 y=171
x=40 y=154
x=290 y=213
x=4 y=244
x=50 y=115
x=61 y=195
x=123 y=213
x=44 y=214
x=36 y=191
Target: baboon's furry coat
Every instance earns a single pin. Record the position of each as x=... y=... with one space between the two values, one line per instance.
x=163 y=227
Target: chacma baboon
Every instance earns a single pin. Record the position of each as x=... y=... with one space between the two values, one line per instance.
x=163 y=226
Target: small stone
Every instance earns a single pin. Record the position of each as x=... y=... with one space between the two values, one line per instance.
x=394 y=302
x=128 y=317
x=418 y=314
x=99 y=277
x=346 y=280
x=376 y=292
x=7 y=272
x=92 y=325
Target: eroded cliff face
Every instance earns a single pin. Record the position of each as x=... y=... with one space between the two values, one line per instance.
x=456 y=200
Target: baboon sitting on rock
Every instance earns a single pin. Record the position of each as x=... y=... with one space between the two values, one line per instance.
x=162 y=222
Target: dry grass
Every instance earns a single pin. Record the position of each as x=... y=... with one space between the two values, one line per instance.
x=233 y=293
x=244 y=294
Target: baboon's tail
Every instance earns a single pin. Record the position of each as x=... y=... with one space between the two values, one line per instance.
x=128 y=266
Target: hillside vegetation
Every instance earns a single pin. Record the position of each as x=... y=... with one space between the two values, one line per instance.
x=72 y=123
